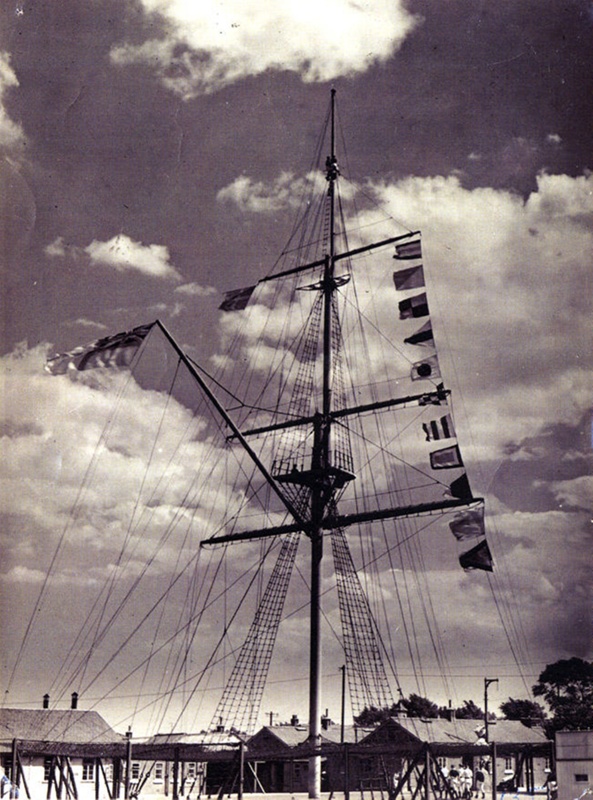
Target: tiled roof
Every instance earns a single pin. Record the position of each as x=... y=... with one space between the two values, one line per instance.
x=69 y=726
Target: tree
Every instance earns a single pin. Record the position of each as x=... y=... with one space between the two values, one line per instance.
x=371 y=715
x=469 y=710
x=414 y=706
x=567 y=687
x=528 y=712
x=417 y=706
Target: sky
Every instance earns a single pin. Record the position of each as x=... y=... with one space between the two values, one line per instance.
x=150 y=153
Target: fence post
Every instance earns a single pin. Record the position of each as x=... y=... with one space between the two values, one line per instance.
x=241 y=769
x=14 y=774
x=128 y=764
x=346 y=772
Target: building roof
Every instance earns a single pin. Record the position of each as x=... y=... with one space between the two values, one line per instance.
x=205 y=739
x=67 y=727
x=463 y=731
x=280 y=738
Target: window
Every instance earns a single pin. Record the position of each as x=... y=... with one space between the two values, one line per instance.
x=442 y=762
x=88 y=769
x=190 y=769
x=366 y=767
x=47 y=762
x=135 y=771
x=581 y=777
x=508 y=764
x=159 y=771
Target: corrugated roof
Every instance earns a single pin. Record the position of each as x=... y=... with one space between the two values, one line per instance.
x=209 y=738
x=69 y=726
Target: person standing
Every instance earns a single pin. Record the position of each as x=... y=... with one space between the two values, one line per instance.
x=479 y=781
x=467 y=780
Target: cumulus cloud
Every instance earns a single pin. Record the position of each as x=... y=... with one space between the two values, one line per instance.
x=11 y=133
x=87 y=323
x=285 y=192
x=210 y=45
x=508 y=294
x=576 y=493
x=111 y=501
x=510 y=314
x=56 y=249
x=506 y=279
x=123 y=254
x=196 y=290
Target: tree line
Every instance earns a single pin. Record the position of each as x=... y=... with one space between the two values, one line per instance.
x=566 y=686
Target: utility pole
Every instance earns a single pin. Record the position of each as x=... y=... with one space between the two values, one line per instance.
x=487 y=682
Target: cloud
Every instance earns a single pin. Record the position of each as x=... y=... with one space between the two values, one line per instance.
x=196 y=290
x=210 y=45
x=543 y=555
x=506 y=279
x=110 y=504
x=286 y=192
x=57 y=248
x=507 y=282
x=87 y=323
x=509 y=292
x=123 y=254
x=576 y=493
x=259 y=197
x=11 y=133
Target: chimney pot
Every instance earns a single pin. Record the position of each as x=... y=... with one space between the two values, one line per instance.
x=74 y=702
x=45 y=701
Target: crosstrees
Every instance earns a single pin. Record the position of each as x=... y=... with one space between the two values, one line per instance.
x=240 y=703
x=367 y=679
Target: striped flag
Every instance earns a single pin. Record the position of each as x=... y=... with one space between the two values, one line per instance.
x=441 y=428
x=408 y=250
x=112 y=351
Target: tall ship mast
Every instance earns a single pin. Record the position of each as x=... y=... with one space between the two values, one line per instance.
x=311 y=487
x=338 y=421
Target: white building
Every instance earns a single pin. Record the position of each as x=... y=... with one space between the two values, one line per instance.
x=574 y=764
x=54 y=753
